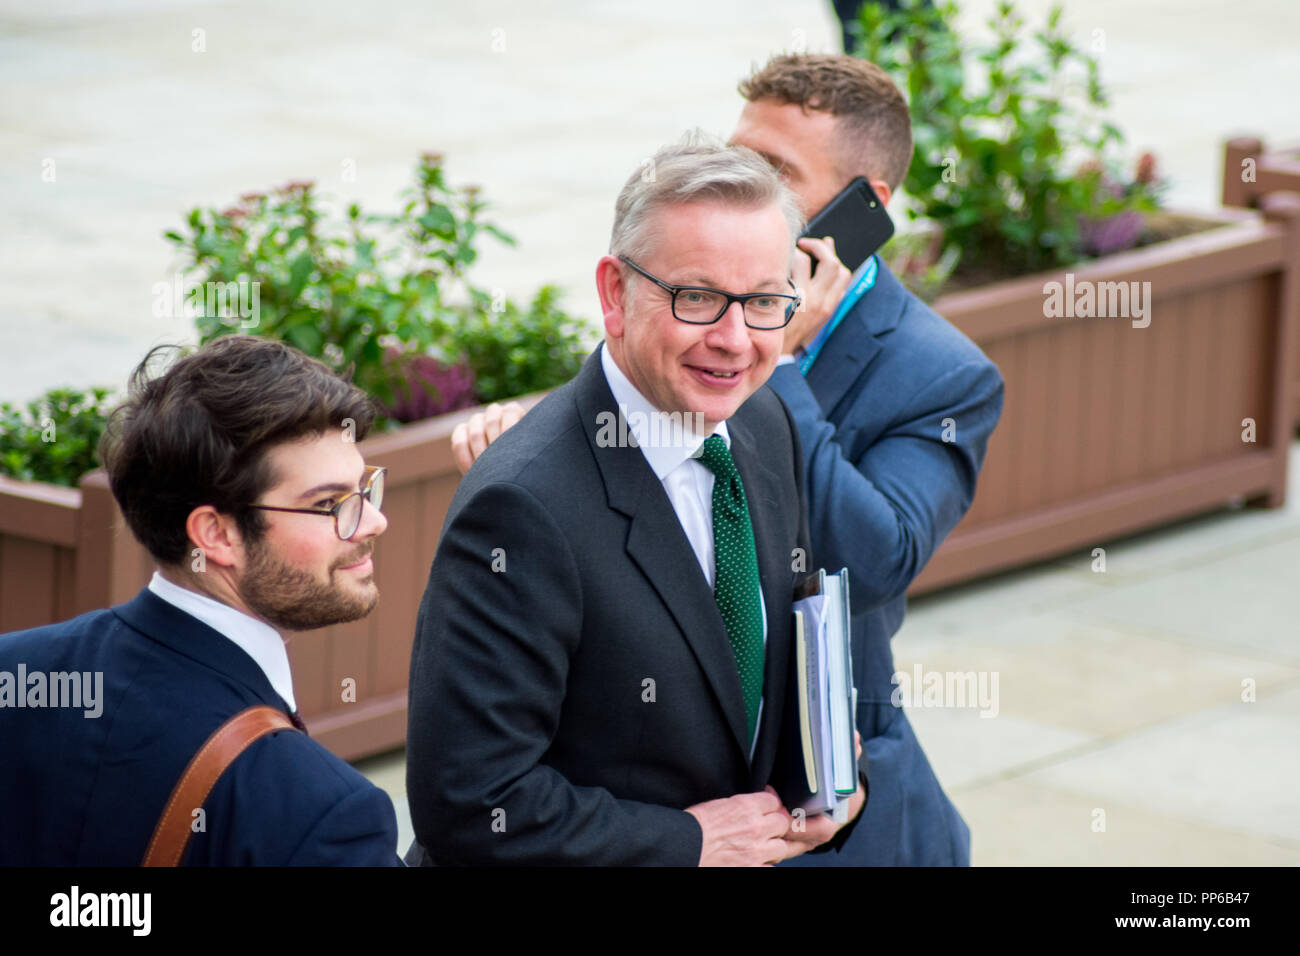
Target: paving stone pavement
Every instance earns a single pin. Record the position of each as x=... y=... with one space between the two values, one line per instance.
x=1120 y=693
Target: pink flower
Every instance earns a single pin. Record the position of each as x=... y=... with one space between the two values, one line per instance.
x=296 y=186
x=1146 y=168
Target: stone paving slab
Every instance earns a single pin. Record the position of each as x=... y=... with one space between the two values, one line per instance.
x=1234 y=766
x=1014 y=823
x=1102 y=681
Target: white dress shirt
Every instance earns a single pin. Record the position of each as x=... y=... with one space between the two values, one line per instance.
x=257 y=639
x=670 y=451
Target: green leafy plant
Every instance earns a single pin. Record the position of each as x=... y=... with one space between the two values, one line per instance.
x=372 y=294
x=55 y=437
x=920 y=261
x=1013 y=158
x=514 y=350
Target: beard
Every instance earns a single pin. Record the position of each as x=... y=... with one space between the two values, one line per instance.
x=294 y=600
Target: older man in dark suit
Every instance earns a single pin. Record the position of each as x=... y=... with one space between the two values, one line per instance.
x=894 y=408
x=602 y=654
x=236 y=471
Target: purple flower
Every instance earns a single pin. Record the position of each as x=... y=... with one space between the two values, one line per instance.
x=425 y=386
x=1111 y=234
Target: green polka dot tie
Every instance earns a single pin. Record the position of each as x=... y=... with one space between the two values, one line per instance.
x=736 y=587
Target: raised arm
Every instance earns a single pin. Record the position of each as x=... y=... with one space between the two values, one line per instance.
x=880 y=505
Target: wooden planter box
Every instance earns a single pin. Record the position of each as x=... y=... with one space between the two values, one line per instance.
x=1107 y=428
x=66 y=551
x=1250 y=173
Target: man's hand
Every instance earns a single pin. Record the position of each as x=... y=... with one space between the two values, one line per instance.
x=744 y=830
x=815 y=830
x=469 y=439
x=821 y=292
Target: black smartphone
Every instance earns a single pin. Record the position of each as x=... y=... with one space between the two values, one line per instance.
x=856 y=220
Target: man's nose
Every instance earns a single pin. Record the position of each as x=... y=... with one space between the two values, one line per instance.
x=730 y=332
x=373 y=522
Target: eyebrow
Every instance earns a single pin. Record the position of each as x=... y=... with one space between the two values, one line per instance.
x=705 y=283
x=331 y=487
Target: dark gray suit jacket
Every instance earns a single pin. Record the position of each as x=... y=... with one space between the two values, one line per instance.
x=572 y=686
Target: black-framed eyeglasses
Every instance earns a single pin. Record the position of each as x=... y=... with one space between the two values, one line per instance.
x=700 y=305
x=348 y=509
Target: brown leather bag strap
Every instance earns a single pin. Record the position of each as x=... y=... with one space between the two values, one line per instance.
x=172 y=834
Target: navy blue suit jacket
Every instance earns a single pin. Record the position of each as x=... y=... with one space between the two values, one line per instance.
x=884 y=489
x=87 y=790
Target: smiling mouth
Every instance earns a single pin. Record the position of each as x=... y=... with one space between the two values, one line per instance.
x=359 y=561
x=721 y=374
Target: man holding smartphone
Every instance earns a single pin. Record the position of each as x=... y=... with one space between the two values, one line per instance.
x=894 y=407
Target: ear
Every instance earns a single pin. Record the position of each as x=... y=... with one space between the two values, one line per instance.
x=883 y=192
x=216 y=534
x=613 y=291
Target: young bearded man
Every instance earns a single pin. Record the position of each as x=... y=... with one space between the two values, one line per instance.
x=238 y=470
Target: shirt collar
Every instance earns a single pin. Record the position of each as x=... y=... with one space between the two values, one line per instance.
x=662 y=437
x=257 y=639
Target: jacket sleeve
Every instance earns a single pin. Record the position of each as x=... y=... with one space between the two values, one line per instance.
x=287 y=801
x=883 y=513
x=359 y=830
x=496 y=632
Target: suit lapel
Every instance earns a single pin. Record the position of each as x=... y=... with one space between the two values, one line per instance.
x=659 y=547
x=762 y=491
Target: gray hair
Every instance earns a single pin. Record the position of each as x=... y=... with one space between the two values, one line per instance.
x=700 y=167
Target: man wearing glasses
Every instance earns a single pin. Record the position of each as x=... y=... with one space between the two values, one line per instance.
x=601 y=656
x=894 y=408
x=238 y=470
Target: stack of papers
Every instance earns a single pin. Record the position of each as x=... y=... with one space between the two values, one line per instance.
x=827 y=701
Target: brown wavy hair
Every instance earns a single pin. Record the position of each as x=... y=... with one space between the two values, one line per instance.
x=198 y=434
x=875 y=128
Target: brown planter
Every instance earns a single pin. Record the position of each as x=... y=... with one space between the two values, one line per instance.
x=1268 y=171
x=1251 y=173
x=1109 y=428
